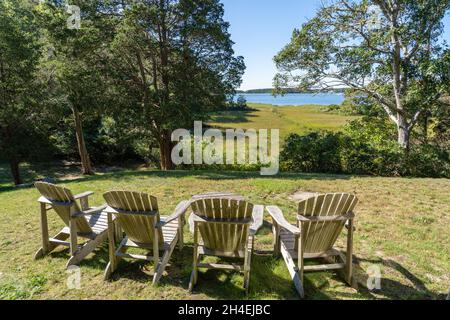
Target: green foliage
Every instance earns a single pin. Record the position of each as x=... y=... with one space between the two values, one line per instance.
x=241 y=102
x=357 y=103
x=365 y=147
x=315 y=152
x=428 y=161
x=369 y=147
x=22 y=132
x=397 y=62
x=180 y=75
x=133 y=77
x=239 y=105
x=79 y=57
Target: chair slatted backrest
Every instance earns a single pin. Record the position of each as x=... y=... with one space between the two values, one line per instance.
x=137 y=214
x=64 y=204
x=228 y=220
x=320 y=236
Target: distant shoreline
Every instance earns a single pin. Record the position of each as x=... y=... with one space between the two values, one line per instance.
x=293 y=99
x=270 y=105
x=288 y=91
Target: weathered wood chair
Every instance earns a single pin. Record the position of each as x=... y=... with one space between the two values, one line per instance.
x=224 y=226
x=320 y=221
x=81 y=221
x=137 y=214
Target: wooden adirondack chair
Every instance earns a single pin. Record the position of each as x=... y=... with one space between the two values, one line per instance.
x=138 y=215
x=224 y=226
x=320 y=221
x=81 y=221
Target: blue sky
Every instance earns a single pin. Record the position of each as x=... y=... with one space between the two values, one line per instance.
x=260 y=28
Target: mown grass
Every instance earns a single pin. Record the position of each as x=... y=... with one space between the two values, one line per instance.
x=288 y=119
x=402 y=227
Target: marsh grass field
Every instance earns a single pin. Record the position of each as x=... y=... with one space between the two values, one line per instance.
x=288 y=119
x=401 y=227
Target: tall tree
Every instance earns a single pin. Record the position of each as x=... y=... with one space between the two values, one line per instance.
x=80 y=60
x=174 y=62
x=20 y=51
x=389 y=50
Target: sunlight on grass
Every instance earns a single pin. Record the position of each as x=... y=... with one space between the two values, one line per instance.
x=299 y=119
x=402 y=226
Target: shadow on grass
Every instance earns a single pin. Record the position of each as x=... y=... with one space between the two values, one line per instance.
x=391 y=289
x=228 y=285
x=227 y=117
x=97 y=260
x=71 y=173
x=199 y=174
x=264 y=281
x=31 y=172
x=209 y=175
x=212 y=283
x=175 y=274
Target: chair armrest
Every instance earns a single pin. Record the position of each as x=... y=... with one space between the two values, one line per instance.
x=278 y=217
x=226 y=195
x=258 y=218
x=181 y=209
x=44 y=200
x=347 y=224
x=89 y=212
x=83 y=195
x=345 y=217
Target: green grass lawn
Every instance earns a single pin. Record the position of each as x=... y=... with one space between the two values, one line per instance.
x=289 y=119
x=402 y=227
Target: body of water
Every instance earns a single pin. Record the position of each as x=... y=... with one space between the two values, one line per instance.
x=294 y=99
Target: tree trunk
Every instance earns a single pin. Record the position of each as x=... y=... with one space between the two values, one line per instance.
x=399 y=83
x=425 y=127
x=86 y=167
x=15 y=171
x=165 y=148
x=7 y=140
x=403 y=133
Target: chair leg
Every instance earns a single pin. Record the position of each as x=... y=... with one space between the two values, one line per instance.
x=247 y=263
x=155 y=251
x=108 y=271
x=113 y=264
x=165 y=259
x=276 y=236
x=191 y=281
x=87 y=248
x=349 y=255
x=293 y=270
x=62 y=235
x=194 y=274
x=73 y=242
x=45 y=249
x=301 y=262
x=112 y=237
x=40 y=253
x=180 y=232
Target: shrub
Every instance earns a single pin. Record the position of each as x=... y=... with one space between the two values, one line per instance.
x=369 y=147
x=428 y=161
x=315 y=152
x=241 y=102
x=366 y=146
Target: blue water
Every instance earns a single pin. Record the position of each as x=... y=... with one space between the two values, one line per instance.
x=294 y=99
